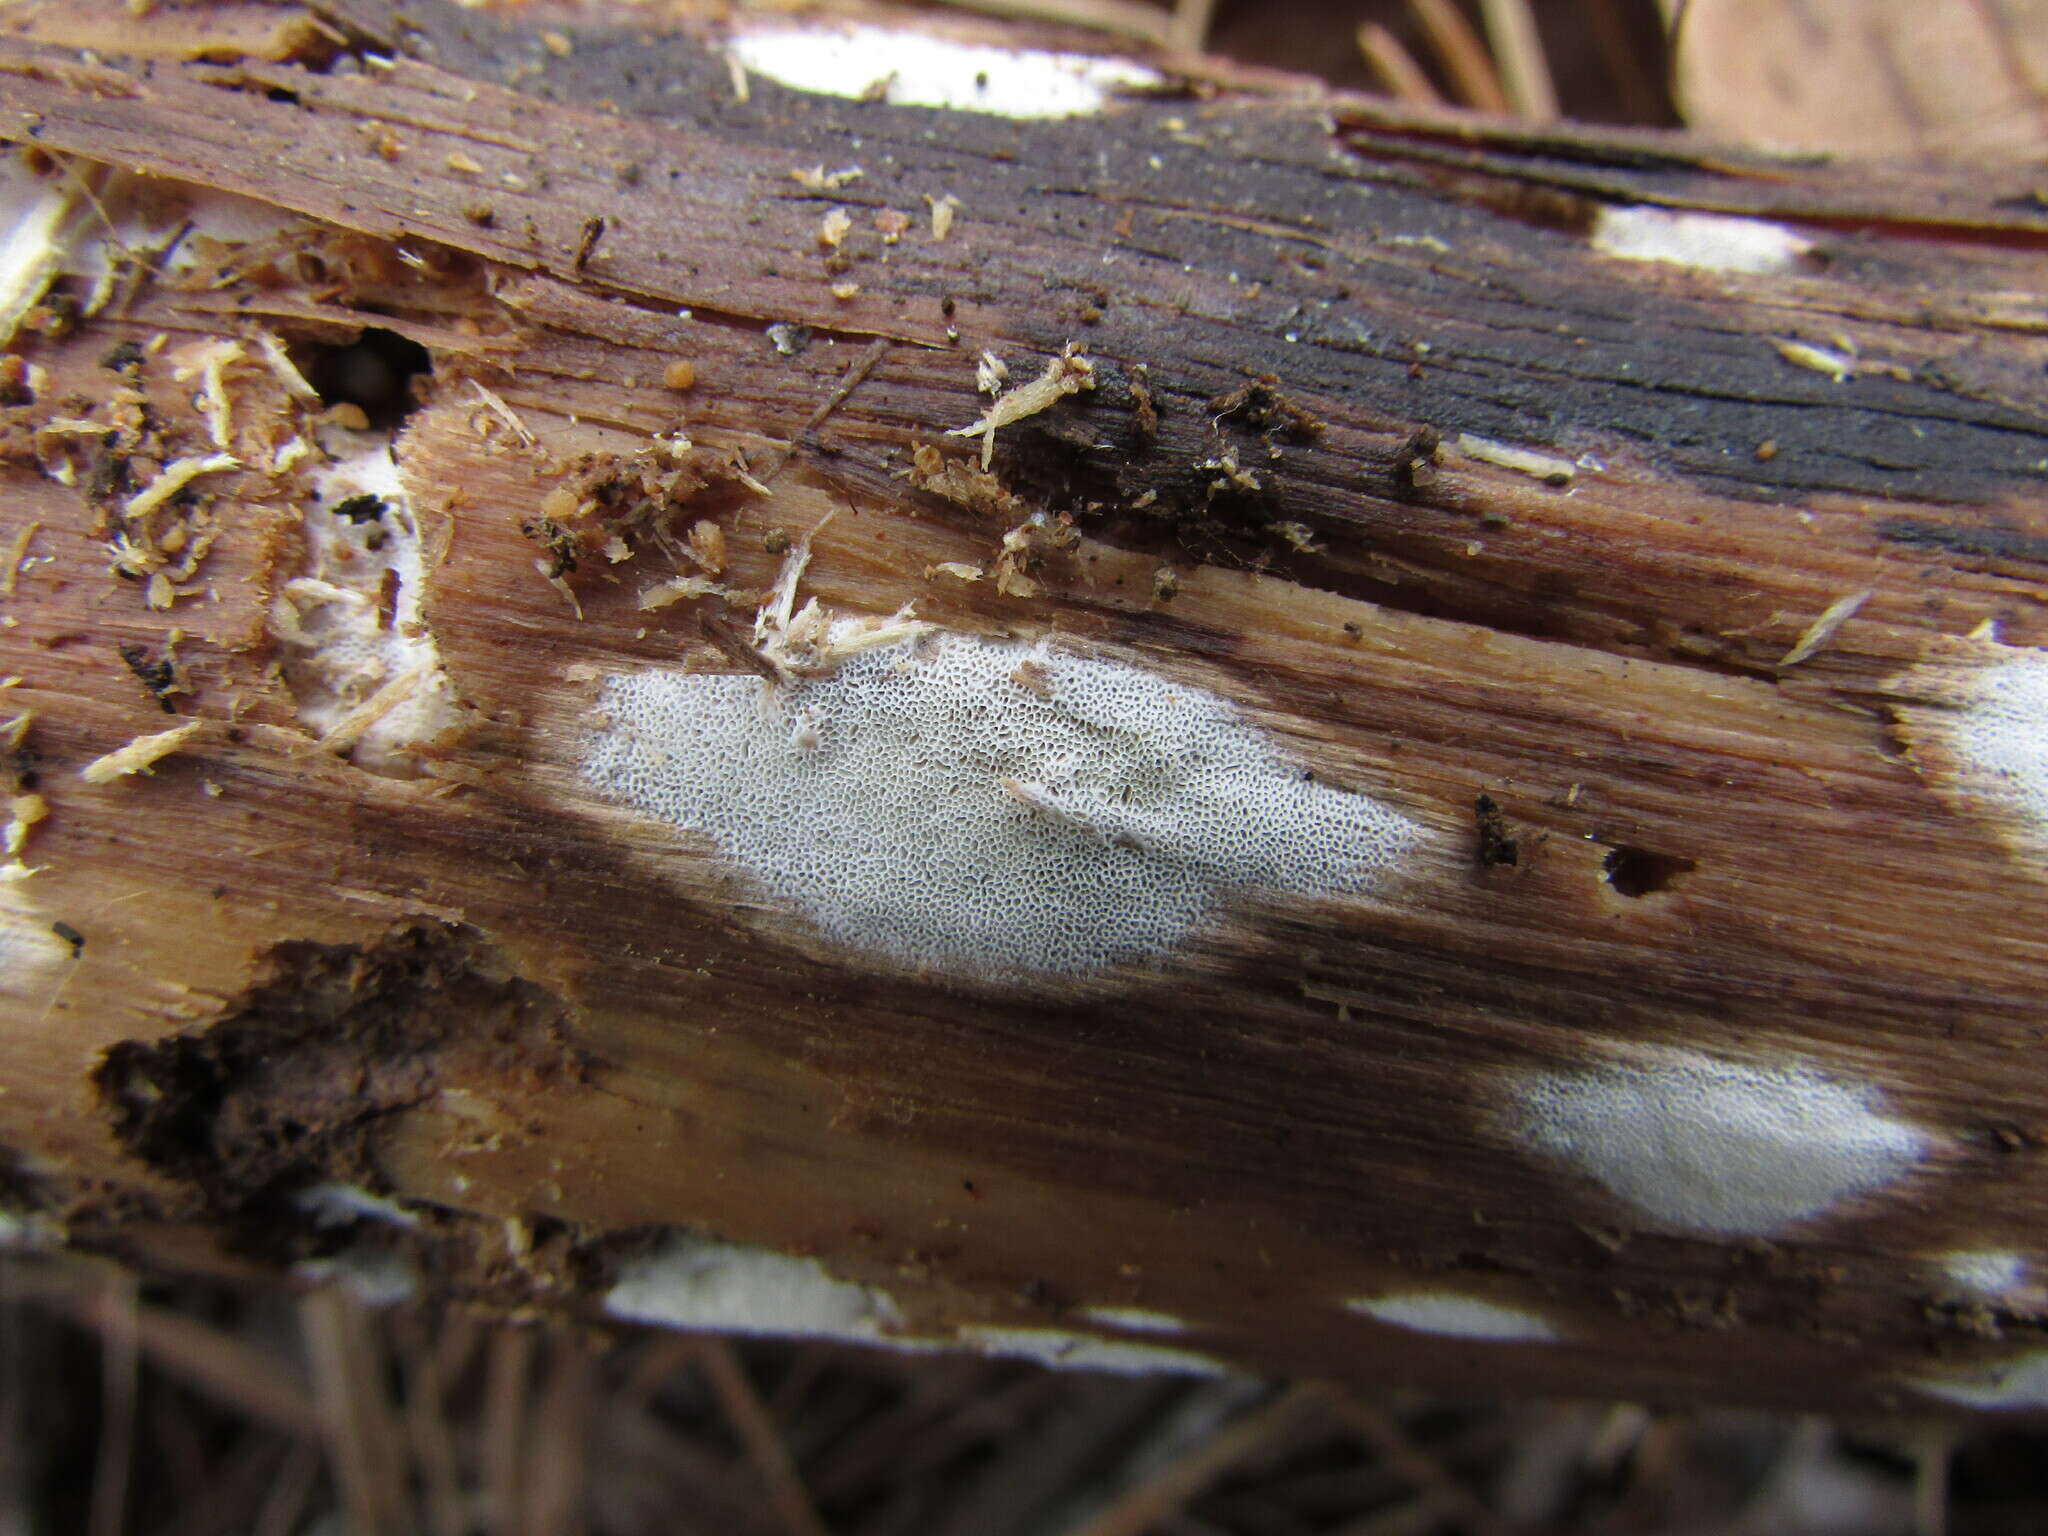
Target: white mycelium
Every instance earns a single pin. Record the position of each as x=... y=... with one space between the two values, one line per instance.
x=917 y=69
x=986 y=807
x=1701 y=1145
x=1450 y=1315
x=692 y=1282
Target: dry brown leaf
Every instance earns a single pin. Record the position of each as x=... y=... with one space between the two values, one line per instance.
x=1866 y=77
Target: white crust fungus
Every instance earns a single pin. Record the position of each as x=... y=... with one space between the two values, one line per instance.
x=358 y=658
x=700 y=1283
x=2002 y=731
x=2019 y=1383
x=916 y=69
x=1992 y=1274
x=1714 y=242
x=940 y=802
x=1076 y=1351
x=1452 y=1316
x=1135 y=1319
x=1697 y=1144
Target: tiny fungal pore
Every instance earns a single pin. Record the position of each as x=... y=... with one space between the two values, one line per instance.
x=1453 y=1316
x=994 y=809
x=1697 y=1144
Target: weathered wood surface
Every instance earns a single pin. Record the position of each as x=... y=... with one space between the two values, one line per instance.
x=562 y=1027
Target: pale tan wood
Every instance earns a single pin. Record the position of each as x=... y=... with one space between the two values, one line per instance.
x=560 y=1027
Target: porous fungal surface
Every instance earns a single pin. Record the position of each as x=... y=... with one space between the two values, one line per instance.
x=2002 y=730
x=1701 y=1145
x=987 y=808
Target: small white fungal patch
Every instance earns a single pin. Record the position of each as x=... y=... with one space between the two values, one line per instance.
x=2020 y=1383
x=376 y=1277
x=914 y=69
x=699 y=1283
x=358 y=658
x=1135 y=1319
x=1452 y=1316
x=921 y=802
x=1716 y=242
x=2002 y=730
x=1076 y=1351
x=1987 y=1272
x=341 y=1205
x=1698 y=1144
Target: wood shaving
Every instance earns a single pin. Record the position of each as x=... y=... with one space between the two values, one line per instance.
x=16 y=553
x=817 y=179
x=23 y=812
x=1822 y=629
x=209 y=363
x=491 y=402
x=173 y=478
x=707 y=546
x=965 y=486
x=139 y=754
x=958 y=570
x=1836 y=365
x=943 y=211
x=283 y=369
x=1542 y=466
x=833 y=228
x=678 y=589
x=990 y=373
x=1064 y=375
x=349 y=729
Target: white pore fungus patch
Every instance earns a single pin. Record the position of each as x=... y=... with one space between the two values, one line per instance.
x=358 y=658
x=1077 y=1351
x=1985 y=1272
x=990 y=808
x=1454 y=1316
x=699 y=1283
x=2002 y=730
x=1717 y=242
x=914 y=69
x=334 y=1204
x=2019 y=1383
x=1703 y=1145
x=1135 y=1319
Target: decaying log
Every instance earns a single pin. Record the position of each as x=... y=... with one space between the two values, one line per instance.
x=1488 y=825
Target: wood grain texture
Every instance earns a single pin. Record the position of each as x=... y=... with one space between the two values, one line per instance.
x=485 y=990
